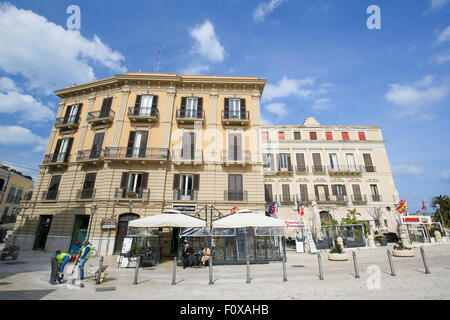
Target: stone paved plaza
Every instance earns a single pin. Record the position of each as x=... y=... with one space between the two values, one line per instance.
x=27 y=278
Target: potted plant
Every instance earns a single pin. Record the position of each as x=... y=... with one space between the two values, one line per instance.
x=381 y=239
x=337 y=254
x=401 y=251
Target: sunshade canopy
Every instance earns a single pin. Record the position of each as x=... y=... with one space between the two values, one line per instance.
x=242 y=220
x=168 y=220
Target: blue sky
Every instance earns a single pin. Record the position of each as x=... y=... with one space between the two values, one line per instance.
x=319 y=58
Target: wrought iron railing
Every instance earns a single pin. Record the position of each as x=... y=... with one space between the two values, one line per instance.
x=232 y=195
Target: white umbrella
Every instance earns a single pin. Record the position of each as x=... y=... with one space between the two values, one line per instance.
x=168 y=220
x=244 y=211
x=172 y=211
x=248 y=220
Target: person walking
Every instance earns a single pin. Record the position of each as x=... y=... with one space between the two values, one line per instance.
x=62 y=259
x=84 y=256
x=186 y=255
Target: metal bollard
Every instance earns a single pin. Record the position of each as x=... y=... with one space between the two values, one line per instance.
x=284 y=269
x=136 y=270
x=424 y=258
x=390 y=263
x=100 y=267
x=210 y=271
x=355 y=263
x=248 y=271
x=319 y=258
x=174 y=274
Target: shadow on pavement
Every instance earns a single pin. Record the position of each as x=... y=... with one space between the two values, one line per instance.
x=24 y=294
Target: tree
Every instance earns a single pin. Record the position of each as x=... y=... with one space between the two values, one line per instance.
x=444 y=212
x=352 y=219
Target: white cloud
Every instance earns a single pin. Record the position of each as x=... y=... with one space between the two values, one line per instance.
x=265 y=120
x=411 y=98
x=287 y=87
x=444 y=35
x=436 y=5
x=18 y=136
x=445 y=175
x=278 y=109
x=26 y=106
x=265 y=8
x=46 y=54
x=207 y=44
x=442 y=57
x=322 y=104
x=195 y=69
x=407 y=169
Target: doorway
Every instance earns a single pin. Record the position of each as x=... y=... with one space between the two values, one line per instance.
x=122 y=230
x=79 y=233
x=42 y=232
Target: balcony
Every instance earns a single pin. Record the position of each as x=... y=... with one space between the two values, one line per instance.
x=286 y=198
x=287 y=170
x=138 y=194
x=185 y=195
x=136 y=154
x=230 y=195
x=143 y=115
x=184 y=116
x=376 y=198
x=321 y=198
x=370 y=169
x=100 y=117
x=345 y=170
x=180 y=156
x=56 y=159
x=51 y=195
x=229 y=157
x=239 y=119
x=319 y=169
x=300 y=170
x=92 y=155
x=304 y=198
x=85 y=194
x=361 y=198
x=67 y=123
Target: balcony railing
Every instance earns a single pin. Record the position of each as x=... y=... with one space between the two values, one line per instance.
x=136 y=153
x=185 y=195
x=138 y=194
x=304 y=169
x=345 y=169
x=231 y=157
x=287 y=170
x=85 y=194
x=143 y=114
x=321 y=198
x=99 y=117
x=50 y=195
x=370 y=169
x=67 y=122
x=361 y=198
x=286 y=198
x=56 y=158
x=376 y=198
x=231 y=195
x=304 y=198
x=235 y=118
x=185 y=115
x=93 y=154
x=187 y=156
x=319 y=169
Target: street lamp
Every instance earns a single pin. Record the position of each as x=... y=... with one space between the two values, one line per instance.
x=93 y=209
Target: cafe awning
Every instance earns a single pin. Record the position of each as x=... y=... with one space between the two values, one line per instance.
x=243 y=220
x=168 y=220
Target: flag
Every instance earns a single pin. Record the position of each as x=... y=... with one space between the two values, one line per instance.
x=302 y=212
x=424 y=207
x=401 y=208
x=277 y=206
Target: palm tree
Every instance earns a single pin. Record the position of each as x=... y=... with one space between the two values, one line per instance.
x=444 y=212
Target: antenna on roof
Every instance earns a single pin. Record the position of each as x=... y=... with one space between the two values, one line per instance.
x=158 y=60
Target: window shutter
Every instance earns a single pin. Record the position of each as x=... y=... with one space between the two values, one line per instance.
x=106 y=107
x=196 y=182
x=143 y=146
x=97 y=145
x=130 y=144
x=289 y=162
x=154 y=111
x=183 y=107
x=199 y=108
x=243 y=109
x=144 y=181
x=356 y=191
x=137 y=105
x=279 y=161
x=268 y=192
x=344 y=190
x=316 y=160
x=80 y=106
x=68 y=150
x=334 y=189
x=304 y=191
x=345 y=136
x=300 y=160
x=54 y=183
x=176 y=181
x=58 y=146
x=227 y=108
x=297 y=135
x=89 y=181
x=327 y=194
x=67 y=114
x=124 y=181
x=272 y=164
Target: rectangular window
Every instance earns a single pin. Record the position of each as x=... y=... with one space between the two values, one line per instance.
x=286 y=196
x=375 y=195
x=362 y=136
x=235 y=187
x=297 y=135
x=191 y=107
x=11 y=193
x=267 y=161
x=5 y=213
x=317 y=162
x=303 y=193
x=235 y=147
x=350 y=161
x=265 y=135
x=18 y=196
x=333 y=161
x=313 y=135
x=281 y=135
x=146 y=105
x=368 y=162
x=345 y=136
x=235 y=108
x=268 y=195
x=329 y=135
x=188 y=149
x=88 y=186
x=52 y=192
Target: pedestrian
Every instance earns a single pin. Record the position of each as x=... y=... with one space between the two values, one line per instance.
x=186 y=255
x=206 y=254
x=84 y=256
x=62 y=259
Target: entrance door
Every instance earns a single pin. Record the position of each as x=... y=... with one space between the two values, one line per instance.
x=122 y=230
x=79 y=233
x=42 y=232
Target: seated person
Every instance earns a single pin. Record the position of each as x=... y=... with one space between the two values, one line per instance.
x=206 y=254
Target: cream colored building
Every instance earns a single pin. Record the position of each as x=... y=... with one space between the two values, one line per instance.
x=329 y=169
x=137 y=144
